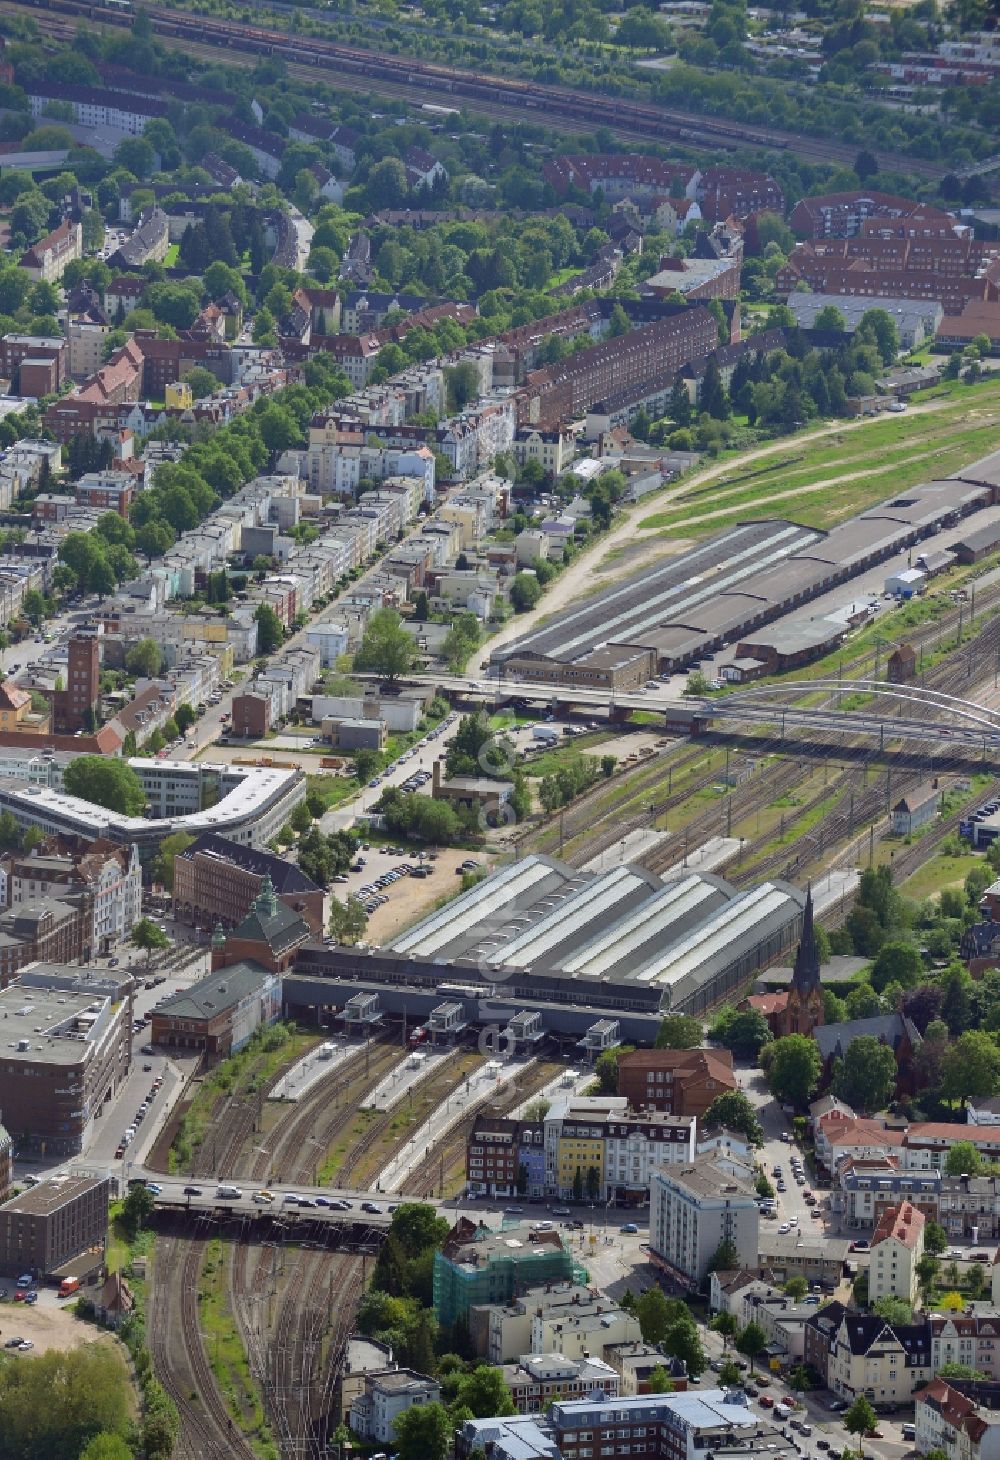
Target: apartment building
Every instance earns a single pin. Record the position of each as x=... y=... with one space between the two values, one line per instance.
x=561 y=1312
x=884 y=1362
x=696 y=1208
x=387 y=1394
x=685 y=1426
x=843 y=215
x=971 y=1338
x=679 y=1081
x=535 y=1380
x=954 y=270
x=477 y=1266
x=46 y=260
x=107 y=878
x=896 y=1249
x=959 y=1418
x=95 y=404
x=95 y=107
x=17 y=350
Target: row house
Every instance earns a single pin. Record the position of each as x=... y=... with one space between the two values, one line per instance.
x=561 y=1317
x=109 y=877
x=886 y=1363
x=966 y=1338
x=738 y=192
x=506 y=1157
x=267 y=147
x=868 y=1187
x=620 y=175
x=96 y=107
x=535 y=1380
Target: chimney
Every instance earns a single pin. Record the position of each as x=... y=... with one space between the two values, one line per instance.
x=436 y=782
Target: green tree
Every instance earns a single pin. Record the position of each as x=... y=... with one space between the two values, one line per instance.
x=860 y=1420
x=935 y=1238
x=606 y=1071
x=348 y=920
x=725 y=1323
x=270 y=632
x=137 y=1208
x=751 y=1342
x=105 y=781
x=744 y=1031
x=301 y=818
x=678 y=1031
x=106 y=1447
x=897 y=962
x=971 y=1067
x=681 y=1341
x=170 y=846
x=796 y=1287
x=894 y=1310
x=963 y=1159
x=525 y=591
x=830 y=318
x=144 y=659
x=659 y=1382
x=866 y=1076
x=795 y=1070
x=653 y=1313
x=734 y=1110
x=58 y=1404
x=423 y=1432
x=386 y=648
x=147 y=936
x=484 y=1393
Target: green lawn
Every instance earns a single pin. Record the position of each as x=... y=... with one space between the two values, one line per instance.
x=856 y=468
x=173 y=253
x=938 y=873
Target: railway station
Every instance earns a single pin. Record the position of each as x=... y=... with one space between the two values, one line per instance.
x=539 y=936
x=731 y=585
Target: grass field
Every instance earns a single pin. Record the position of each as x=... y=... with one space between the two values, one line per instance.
x=819 y=483
x=938 y=873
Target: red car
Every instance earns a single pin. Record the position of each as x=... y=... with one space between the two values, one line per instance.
x=766 y=1401
x=20 y=1295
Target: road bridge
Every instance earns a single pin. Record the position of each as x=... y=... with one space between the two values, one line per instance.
x=930 y=715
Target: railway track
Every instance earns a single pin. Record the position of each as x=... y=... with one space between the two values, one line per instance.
x=436 y=1086
x=319 y=1117
x=179 y=1356
x=494 y=94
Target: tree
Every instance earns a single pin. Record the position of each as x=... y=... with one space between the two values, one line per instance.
x=894 y=1310
x=653 y=1313
x=348 y=920
x=734 y=1110
x=725 y=1323
x=725 y=1257
x=659 y=1382
x=860 y=1419
x=301 y=818
x=730 y=1374
x=147 y=936
x=106 y=1447
x=386 y=649
x=170 y=846
x=484 y=1392
x=866 y=1076
x=201 y=381
x=963 y=1159
x=137 y=1208
x=678 y=1031
x=681 y=1341
x=830 y=318
x=935 y=1238
x=606 y=1070
x=744 y=1031
x=61 y=1401
x=797 y=1288
x=751 y=1342
x=270 y=631
x=423 y=1432
x=971 y=1067
x=897 y=962
x=525 y=591
x=927 y=1271
x=105 y=781
x=795 y=1070
x=144 y=659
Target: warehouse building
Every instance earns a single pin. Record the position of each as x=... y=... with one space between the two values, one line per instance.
x=538 y=933
x=730 y=586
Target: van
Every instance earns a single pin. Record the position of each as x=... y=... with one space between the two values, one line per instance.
x=229 y=1193
x=782 y=1411
x=909 y=1432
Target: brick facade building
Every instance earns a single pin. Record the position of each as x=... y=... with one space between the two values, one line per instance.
x=45 y=1227
x=216 y=881
x=679 y=1081
x=75 y=707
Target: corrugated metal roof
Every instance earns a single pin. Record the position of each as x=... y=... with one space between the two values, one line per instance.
x=498 y=891
x=654 y=920
x=596 y=900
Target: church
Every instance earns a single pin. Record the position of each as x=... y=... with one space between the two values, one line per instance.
x=799 y=1009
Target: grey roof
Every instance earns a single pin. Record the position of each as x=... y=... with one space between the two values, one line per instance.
x=983 y=537
x=285 y=877
x=797 y=636
x=907 y=313
x=49 y=1196
x=221 y=990
x=833 y=1039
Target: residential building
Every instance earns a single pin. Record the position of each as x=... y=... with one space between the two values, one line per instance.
x=45 y=260
x=884 y=1362
x=684 y=1426
x=621 y=175
x=69 y=1036
x=51 y=929
x=971 y=1338
x=680 y=1081
x=958 y=1417
x=801 y=1254
x=388 y=1393
x=896 y=1249
x=219 y=1013
x=564 y=1314
x=535 y=1380
x=477 y=1266
x=843 y=215
x=148 y=242
x=107 y=877
x=53 y=1222
x=216 y=882
x=696 y=1209
x=517 y=1437
x=75 y=707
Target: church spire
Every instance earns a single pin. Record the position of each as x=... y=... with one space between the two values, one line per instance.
x=805 y=974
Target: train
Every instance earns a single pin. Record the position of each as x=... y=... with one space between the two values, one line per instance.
x=596 y=109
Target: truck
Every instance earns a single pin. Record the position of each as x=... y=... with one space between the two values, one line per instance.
x=545 y=734
x=68 y=1285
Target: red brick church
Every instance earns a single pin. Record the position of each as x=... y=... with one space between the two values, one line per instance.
x=800 y=1009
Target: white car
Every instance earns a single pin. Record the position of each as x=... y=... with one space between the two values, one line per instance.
x=793 y=1221
x=784 y=1228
